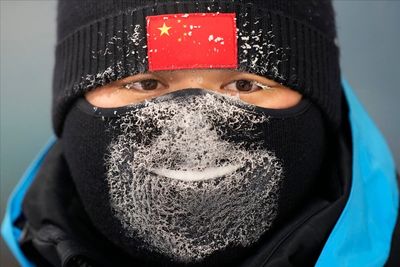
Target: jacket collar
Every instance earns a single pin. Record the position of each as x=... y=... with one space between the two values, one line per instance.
x=374 y=198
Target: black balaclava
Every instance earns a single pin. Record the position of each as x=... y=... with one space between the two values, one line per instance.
x=192 y=173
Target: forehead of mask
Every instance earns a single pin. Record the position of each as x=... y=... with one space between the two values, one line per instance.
x=250 y=88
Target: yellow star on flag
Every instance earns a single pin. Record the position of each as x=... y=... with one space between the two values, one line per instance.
x=164 y=30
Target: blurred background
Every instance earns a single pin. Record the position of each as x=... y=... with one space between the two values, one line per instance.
x=369 y=36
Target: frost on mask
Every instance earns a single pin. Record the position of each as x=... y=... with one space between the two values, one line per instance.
x=129 y=44
x=260 y=48
x=186 y=179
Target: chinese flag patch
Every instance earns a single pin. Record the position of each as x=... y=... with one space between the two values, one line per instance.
x=191 y=41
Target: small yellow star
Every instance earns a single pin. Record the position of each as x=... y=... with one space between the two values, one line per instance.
x=164 y=30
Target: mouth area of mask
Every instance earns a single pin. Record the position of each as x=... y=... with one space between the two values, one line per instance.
x=189 y=173
x=196 y=175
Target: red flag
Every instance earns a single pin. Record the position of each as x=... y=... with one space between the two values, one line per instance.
x=189 y=41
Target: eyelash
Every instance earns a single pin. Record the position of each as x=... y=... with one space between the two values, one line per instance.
x=128 y=85
x=252 y=82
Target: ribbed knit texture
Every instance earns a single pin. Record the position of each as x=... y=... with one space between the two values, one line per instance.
x=291 y=42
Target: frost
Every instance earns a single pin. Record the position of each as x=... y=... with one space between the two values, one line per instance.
x=183 y=179
x=135 y=38
x=259 y=53
x=218 y=39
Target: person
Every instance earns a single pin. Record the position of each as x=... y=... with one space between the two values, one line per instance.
x=204 y=133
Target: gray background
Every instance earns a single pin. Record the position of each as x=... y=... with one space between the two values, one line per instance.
x=369 y=35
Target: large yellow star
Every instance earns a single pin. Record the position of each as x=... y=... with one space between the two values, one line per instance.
x=164 y=30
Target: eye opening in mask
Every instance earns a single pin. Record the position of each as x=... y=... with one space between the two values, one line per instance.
x=249 y=87
x=84 y=105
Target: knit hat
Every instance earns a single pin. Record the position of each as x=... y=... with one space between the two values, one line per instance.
x=290 y=41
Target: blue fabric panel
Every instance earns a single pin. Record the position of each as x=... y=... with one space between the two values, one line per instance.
x=10 y=233
x=362 y=236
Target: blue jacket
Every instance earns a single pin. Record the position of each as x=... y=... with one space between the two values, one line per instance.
x=362 y=236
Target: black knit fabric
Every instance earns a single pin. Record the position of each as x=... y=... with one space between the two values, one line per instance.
x=296 y=136
x=289 y=41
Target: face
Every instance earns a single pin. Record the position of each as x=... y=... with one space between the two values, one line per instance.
x=190 y=172
x=250 y=88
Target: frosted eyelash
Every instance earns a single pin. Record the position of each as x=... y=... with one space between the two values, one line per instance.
x=263 y=86
x=129 y=85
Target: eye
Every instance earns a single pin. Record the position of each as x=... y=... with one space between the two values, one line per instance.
x=246 y=86
x=144 y=85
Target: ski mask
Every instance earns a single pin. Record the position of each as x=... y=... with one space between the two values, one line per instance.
x=191 y=173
